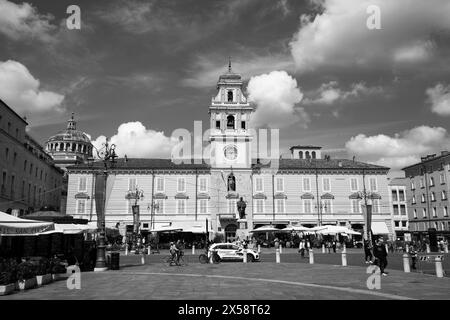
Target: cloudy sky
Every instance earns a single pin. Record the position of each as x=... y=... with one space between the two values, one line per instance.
x=137 y=70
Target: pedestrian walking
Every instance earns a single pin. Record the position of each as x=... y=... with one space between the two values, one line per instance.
x=302 y=248
x=367 y=251
x=413 y=254
x=380 y=253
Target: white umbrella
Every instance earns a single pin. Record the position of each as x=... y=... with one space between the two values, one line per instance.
x=336 y=230
x=266 y=229
x=296 y=228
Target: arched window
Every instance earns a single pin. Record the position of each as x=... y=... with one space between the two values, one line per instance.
x=230 y=122
x=61 y=146
x=313 y=154
x=231 y=182
x=307 y=156
x=230 y=96
x=300 y=154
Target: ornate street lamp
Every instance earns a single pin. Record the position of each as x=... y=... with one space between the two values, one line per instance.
x=368 y=216
x=107 y=155
x=136 y=194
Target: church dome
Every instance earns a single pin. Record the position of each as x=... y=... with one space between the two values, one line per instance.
x=70 y=141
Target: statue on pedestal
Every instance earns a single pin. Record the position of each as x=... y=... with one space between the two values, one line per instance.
x=241 y=205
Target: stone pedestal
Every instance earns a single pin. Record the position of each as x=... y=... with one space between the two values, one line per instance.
x=242 y=230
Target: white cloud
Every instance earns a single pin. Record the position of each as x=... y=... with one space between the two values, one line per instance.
x=276 y=95
x=402 y=149
x=338 y=36
x=329 y=93
x=136 y=141
x=22 y=21
x=417 y=52
x=21 y=91
x=439 y=99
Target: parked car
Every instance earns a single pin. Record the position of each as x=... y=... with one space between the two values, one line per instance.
x=232 y=252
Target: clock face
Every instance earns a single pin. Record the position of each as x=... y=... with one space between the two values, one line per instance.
x=230 y=152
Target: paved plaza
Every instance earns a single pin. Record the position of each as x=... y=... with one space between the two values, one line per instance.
x=253 y=281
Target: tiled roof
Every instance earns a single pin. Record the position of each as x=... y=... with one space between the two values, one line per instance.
x=142 y=164
x=324 y=164
x=283 y=164
x=305 y=147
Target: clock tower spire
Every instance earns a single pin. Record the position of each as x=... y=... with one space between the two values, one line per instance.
x=230 y=118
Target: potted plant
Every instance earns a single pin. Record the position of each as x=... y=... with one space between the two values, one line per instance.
x=43 y=272
x=26 y=275
x=57 y=268
x=8 y=273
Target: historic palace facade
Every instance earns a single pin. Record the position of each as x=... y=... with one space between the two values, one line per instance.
x=305 y=189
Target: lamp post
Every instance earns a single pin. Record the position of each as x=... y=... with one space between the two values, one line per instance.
x=107 y=155
x=320 y=206
x=137 y=195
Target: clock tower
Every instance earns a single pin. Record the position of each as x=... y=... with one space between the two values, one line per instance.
x=230 y=118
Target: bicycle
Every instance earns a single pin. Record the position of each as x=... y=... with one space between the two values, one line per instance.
x=177 y=260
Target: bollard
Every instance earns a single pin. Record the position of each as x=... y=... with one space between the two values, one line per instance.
x=439 y=270
x=210 y=256
x=278 y=256
x=244 y=252
x=193 y=249
x=259 y=248
x=311 y=256
x=323 y=248
x=446 y=248
x=149 y=250
x=428 y=248
x=142 y=259
x=126 y=249
x=344 y=259
x=281 y=248
x=344 y=248
x=406 y=267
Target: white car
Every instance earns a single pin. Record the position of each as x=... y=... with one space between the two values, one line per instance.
x=232 y=252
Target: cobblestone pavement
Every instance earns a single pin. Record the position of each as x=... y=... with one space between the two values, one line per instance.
x=251 y=281
x=355 y=257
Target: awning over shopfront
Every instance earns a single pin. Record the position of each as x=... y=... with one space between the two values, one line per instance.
x=13 y=226
x=379 y=227
x=72 y=228
x=183 y=226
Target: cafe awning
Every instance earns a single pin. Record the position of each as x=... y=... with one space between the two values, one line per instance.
x=14 y=226
x=379 y=227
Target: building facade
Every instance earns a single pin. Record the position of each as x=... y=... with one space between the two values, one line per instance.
x=29 y=178
x=301 y=190
x=427 y=190
x=399 y=207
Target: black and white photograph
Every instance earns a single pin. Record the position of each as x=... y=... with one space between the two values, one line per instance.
x=223 y=155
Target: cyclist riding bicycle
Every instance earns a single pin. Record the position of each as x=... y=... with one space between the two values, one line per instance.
x=173 y=251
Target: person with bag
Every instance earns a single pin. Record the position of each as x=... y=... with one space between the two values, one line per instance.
x=379 y=251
